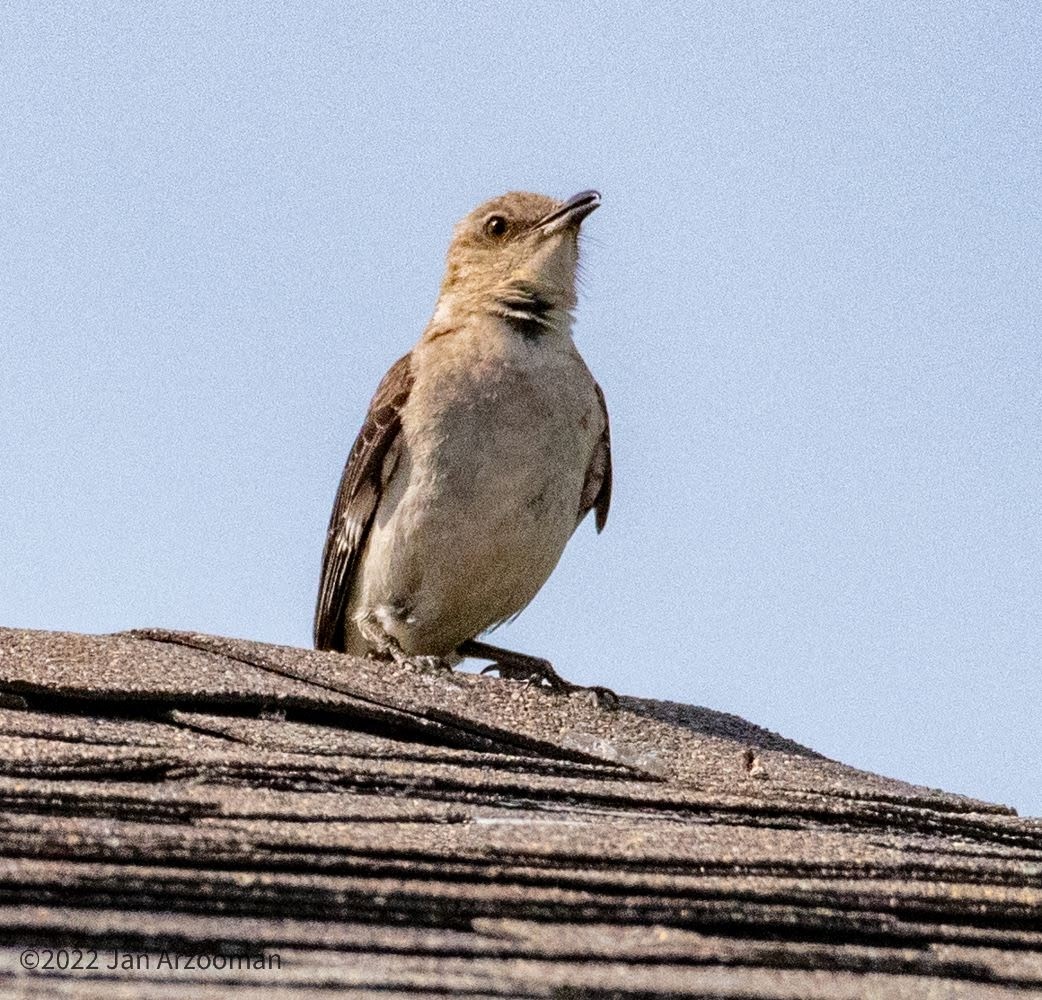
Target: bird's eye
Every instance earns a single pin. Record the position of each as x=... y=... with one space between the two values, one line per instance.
x=495 y=225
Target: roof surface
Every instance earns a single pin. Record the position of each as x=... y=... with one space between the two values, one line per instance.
x=304 y=823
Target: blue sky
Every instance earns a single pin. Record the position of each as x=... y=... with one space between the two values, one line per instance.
x=812 y=297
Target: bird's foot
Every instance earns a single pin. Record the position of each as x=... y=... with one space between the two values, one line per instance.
x=394 y=654
x=531 y=670
x=384 y=646
x=437 y=664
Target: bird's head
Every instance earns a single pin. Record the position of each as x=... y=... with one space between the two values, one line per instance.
x=516 y=256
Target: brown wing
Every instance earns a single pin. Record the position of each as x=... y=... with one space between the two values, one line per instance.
x=597 y=487
x=356 y=503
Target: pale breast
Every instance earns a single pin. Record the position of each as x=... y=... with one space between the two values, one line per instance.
x=486 y=490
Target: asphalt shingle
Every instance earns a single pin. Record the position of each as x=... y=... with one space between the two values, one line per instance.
x=378 y=827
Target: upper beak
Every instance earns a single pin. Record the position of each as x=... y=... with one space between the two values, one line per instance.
x=571 y=213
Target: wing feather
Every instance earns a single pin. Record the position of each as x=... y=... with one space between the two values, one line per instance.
x=356 y=503
x=596 y=493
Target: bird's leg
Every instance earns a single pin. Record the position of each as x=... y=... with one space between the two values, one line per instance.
x=522 y=667
x=384 y=646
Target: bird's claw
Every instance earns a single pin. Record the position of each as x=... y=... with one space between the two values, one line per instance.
x=432 y=663
x=531 y=671
x=540 y=673
x=392 y=654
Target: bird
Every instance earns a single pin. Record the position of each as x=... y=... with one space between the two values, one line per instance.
x=482 y=451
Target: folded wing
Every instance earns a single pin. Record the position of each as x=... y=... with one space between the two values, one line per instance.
x=596 y=492
x=356 y=502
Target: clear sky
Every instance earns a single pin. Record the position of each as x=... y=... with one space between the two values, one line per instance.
x=812 y=296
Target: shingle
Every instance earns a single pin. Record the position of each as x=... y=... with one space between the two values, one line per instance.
x=382 y=826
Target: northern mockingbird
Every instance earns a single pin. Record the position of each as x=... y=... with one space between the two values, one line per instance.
x=482 y=451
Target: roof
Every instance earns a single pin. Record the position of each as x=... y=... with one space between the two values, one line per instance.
x=389 y=831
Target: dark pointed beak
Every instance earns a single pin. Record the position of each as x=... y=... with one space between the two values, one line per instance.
x=571 y=213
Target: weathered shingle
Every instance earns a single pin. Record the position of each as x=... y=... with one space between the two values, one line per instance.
x=381 y=828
